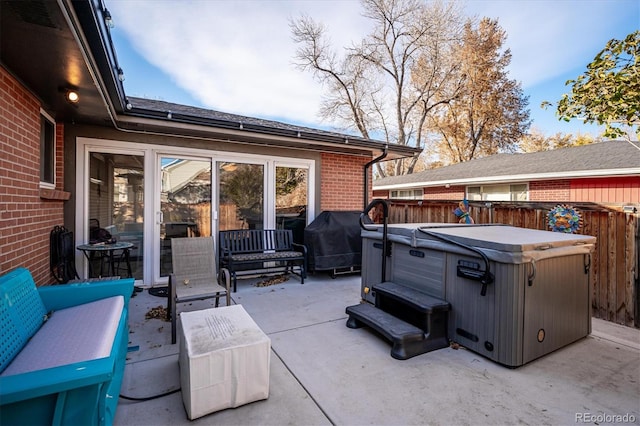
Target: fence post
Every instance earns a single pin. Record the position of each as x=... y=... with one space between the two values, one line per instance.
x=490 y=210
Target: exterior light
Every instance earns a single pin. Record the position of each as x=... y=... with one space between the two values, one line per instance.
x=107 y=19
x=72 y=96
x=120 y=74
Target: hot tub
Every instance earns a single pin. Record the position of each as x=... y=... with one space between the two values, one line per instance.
x=516 y=294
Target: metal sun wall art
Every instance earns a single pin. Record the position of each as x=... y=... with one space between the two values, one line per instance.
x=564 y=218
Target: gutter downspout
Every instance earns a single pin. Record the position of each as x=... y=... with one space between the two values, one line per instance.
x=366 y=174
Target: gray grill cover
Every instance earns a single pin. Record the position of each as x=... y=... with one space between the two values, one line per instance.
x=333 y=240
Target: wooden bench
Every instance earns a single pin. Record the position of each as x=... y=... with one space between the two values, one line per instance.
x=259 y=249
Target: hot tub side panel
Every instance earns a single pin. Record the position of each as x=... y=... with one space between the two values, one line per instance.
x=419 y=268
x=531 y=310
x=557 y=308
x=490 y=325
x=371 y=273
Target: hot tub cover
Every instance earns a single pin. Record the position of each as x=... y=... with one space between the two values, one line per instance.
x=501 y=243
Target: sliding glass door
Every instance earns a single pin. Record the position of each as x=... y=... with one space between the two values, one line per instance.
x=292 y=190
x=146 y=195
x=241 y=199
x=184 y=204
x=116 y=204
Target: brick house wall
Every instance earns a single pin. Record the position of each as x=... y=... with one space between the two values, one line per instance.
x=384 y=194
x=342 y=182
x=550 y=190
x=27 y=213
x=441 y=193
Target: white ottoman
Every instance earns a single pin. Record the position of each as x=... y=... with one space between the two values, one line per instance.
x=224 y=360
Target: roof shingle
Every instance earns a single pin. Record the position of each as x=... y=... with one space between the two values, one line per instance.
x=596 y=158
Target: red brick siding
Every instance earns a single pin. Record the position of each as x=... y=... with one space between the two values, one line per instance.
x=607 y=190
x=342 y=182
x=25 y=219
x=550 y=190
x=378 y=193
x=441 y=193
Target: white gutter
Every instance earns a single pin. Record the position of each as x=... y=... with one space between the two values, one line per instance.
x=580 y=174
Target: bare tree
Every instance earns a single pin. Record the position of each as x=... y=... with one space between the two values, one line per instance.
x=372 y=88
x=490 y=113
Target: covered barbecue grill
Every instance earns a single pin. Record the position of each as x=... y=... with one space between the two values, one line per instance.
x=334 y=243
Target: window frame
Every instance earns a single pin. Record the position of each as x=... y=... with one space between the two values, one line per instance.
x=484 y=188
x=48 y=145
x=416 y=194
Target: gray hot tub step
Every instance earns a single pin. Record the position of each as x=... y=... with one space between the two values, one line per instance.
x=428 y=313
x=416 y=300
x=408 y=340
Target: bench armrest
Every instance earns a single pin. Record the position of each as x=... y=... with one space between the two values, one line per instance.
x=302 y=247
x=63 y=296
x=20 y=387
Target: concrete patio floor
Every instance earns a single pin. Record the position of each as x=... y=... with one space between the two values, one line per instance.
x=325 y=373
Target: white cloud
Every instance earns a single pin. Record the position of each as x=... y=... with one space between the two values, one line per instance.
x=237 y=56
x=549 y=38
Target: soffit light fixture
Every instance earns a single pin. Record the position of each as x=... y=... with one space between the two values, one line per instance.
x=72 y=96
x=108 y=20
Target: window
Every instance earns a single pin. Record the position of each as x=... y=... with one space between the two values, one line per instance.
x=503 y=192
x=407 y=194
x=47 y=150
x=241 y=197
x=291 y=200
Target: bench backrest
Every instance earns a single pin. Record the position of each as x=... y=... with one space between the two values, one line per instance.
x=255 y=240
x=22 y=313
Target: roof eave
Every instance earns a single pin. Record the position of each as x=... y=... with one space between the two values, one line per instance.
x=151 y=121
x=99 y=46
x=98 y=43
x=581 y=174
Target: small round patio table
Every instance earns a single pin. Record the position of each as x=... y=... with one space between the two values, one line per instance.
x=109 y=253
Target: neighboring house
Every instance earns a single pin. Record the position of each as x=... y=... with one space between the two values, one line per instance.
x=102 y=156
x=605 y=172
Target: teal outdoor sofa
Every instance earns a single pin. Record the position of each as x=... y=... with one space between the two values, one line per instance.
x=63 y=350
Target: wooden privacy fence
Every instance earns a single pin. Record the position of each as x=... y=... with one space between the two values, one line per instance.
x=615 y=261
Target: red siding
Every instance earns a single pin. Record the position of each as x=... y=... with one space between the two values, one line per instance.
x=26 y=219
x=624 y=190
x=615 y=190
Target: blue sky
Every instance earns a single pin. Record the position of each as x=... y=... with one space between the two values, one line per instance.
x=237 y=56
